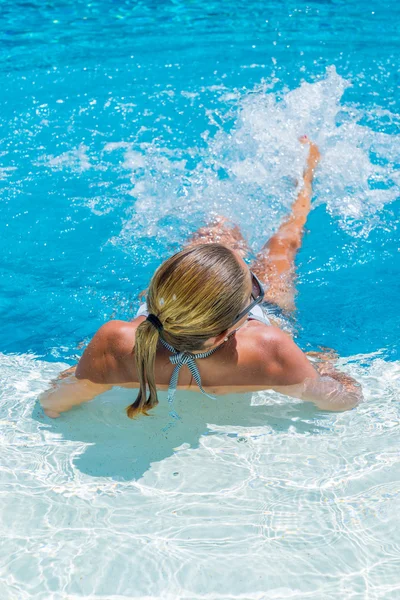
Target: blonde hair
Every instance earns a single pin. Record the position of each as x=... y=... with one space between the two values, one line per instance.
x=196 y=294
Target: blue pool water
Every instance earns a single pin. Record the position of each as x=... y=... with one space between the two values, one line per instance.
x=123 y=127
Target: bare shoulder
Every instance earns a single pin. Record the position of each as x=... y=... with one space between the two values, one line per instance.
x=267 y=340
x=278 y=358
x=117 y=336
x=102 y=360
x=265 y=344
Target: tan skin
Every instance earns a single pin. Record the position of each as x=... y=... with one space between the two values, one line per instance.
x=255 y=357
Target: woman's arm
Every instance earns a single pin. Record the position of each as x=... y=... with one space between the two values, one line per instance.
x=92 y=376
x=67 y=391
x=325 y=386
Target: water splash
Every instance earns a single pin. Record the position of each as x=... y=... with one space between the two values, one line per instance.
x=248 y=168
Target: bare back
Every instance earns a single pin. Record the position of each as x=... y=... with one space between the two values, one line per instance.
x=256 y=357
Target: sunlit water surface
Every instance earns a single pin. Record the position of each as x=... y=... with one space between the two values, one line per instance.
x=123 y=129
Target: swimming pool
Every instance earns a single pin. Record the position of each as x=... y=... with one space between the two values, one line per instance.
x=123 y=127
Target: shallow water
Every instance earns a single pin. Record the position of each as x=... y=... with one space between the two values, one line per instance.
x=123 y=129
x=273 y=500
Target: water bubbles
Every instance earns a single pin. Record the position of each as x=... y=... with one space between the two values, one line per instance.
x=247 y=168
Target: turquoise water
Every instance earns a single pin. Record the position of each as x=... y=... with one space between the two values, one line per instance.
x=123 y=127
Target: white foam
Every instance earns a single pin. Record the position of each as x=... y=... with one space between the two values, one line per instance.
x=76 y=159
x=248 y=169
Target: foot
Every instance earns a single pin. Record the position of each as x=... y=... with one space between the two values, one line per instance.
x=313 y=159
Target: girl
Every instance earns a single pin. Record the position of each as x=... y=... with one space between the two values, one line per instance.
x=203 y=326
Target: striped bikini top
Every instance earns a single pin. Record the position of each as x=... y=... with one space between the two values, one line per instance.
x=187 y=358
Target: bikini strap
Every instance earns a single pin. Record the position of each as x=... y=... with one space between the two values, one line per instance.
x=185 y=358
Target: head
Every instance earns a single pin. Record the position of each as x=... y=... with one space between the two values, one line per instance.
x=196 y=294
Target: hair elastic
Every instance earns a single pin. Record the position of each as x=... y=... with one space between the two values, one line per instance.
x=155 y=321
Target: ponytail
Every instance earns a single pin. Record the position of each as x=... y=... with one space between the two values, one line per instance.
x=145 y=354
x=193 y=296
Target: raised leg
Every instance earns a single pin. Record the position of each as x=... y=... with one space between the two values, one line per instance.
x=275 y=262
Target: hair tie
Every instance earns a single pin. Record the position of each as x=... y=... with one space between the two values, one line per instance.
x=155 y=321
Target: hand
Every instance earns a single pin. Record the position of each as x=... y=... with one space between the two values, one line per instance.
x=348 y=382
